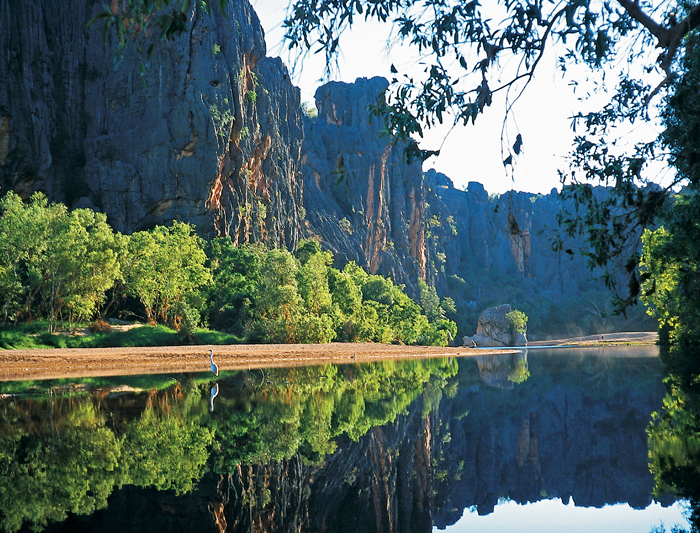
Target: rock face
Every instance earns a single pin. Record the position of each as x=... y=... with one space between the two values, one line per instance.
x=505 y=236
x=211 y=134
x=363 y=201
x=494 y=329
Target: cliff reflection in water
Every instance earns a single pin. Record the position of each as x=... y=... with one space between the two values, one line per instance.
x=394 y=446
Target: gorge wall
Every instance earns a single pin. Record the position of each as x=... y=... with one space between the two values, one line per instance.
x=213 y=133
x=363 y=200
x=210 y=134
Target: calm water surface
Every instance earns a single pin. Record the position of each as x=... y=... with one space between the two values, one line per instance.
x=544 y=440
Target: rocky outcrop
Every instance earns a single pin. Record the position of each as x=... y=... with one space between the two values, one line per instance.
x=495 y=329
x=210 y=134
x=498 y=237
x=363 y=201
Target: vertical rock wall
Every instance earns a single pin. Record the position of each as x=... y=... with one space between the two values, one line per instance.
x=362 y=199
x=210 y=134
x=504 y=236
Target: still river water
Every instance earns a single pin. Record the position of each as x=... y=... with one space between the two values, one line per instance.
x=543 y=440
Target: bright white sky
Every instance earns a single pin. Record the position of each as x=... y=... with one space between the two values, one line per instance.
x=553 y=515
x=471 y=153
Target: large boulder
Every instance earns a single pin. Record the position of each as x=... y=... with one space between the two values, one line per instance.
x=494 y=329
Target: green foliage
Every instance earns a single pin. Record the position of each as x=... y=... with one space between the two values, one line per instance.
x=462 y=48
x=56 y=261
x=166 y=451
x=345 y=225
x=223 y=122
x=674 y=430
x=57 y=264
x=517 y=320
x=681 y=117
x=236 y=273
x=60 y=456
x=274 y=296
x=166 y=267
x=296 y=412
x=305 y=249
x=520 y=372
x=670 y=270
x=47 y=476
x=670 y=263
x=276 y=299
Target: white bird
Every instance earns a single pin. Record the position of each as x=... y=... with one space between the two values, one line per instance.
x=214 y=367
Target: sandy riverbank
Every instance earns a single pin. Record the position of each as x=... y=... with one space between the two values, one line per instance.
x=64 y=363
x=49 y=364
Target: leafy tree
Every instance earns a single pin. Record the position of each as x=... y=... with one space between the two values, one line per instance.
x=305 y=249
x=166 y=267
x=430 y=301
x=670 y=267
x=57 y=260
x=313 y=283
x=277 y=301
x=313 y=287
x=347 y=302
x=84 y=256
x=235 y=273
x=517 y=320
x=23 y=229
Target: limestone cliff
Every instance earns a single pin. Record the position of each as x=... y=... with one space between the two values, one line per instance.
x=363 y=200
x=213 y=134
x=210 y=134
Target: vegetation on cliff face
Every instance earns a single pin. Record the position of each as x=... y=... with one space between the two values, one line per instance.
x=62 y=265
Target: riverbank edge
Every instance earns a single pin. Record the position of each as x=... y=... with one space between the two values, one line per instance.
x=86 y=362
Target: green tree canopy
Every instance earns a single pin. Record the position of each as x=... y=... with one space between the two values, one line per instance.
x=166 y=266
x=56 y=260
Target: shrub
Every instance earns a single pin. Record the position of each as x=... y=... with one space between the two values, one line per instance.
x=518 y=321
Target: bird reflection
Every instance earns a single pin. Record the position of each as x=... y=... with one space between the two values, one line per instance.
x=213 y=394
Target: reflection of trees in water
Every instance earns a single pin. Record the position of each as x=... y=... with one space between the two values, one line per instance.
x=674 y=432
x=395 y=461
x=66 y=454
